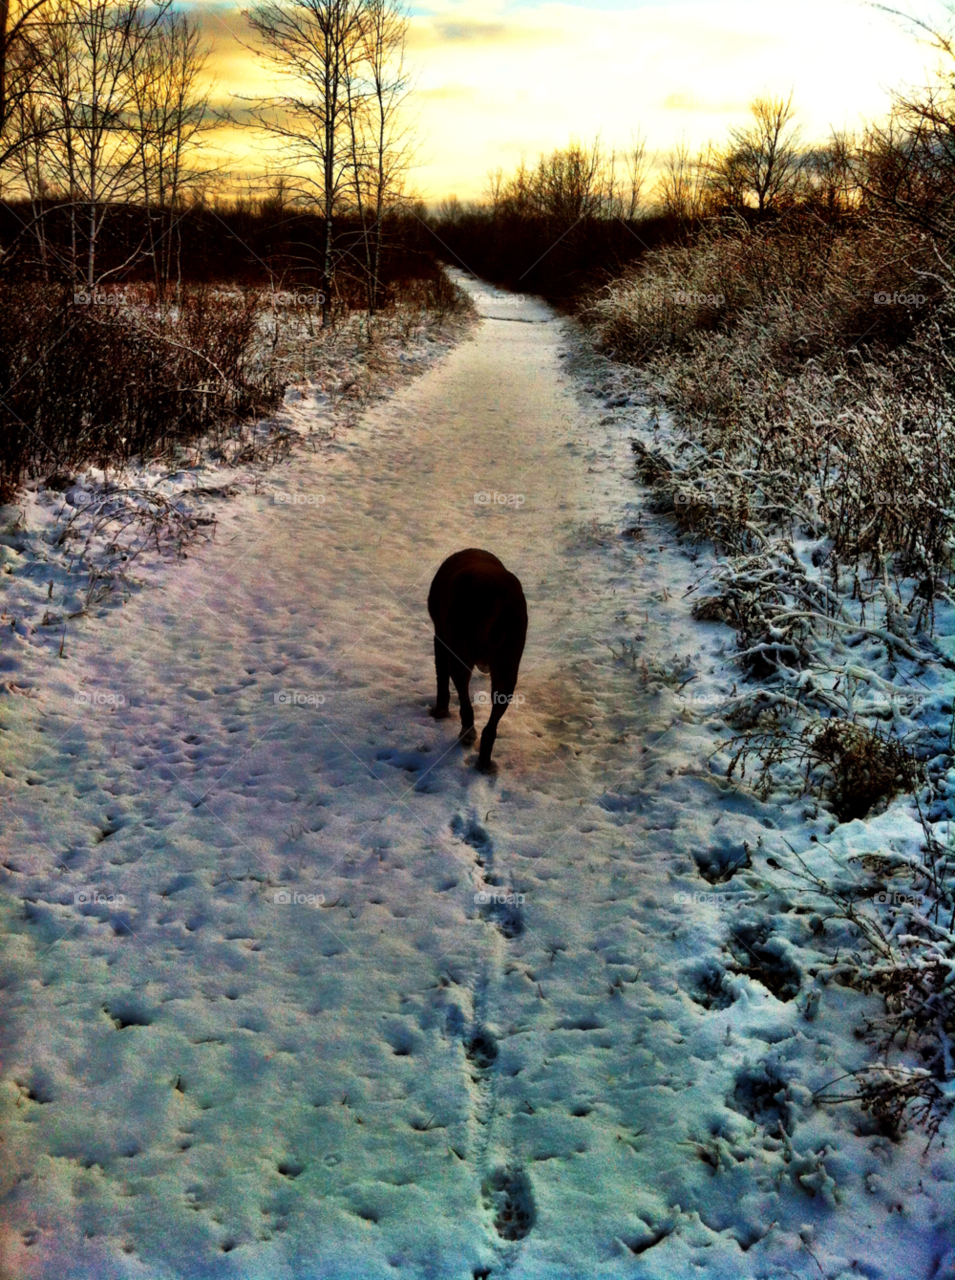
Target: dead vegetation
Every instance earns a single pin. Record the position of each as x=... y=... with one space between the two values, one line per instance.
x=847 y=765
x=889 y=919
x=807 y=357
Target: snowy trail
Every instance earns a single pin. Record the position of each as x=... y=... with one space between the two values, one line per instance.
x=393 y=1073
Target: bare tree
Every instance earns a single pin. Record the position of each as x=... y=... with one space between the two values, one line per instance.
x=680 y=187
x=31 y=121
x=906 y=166
x=765 y=156
x=315 y=43
x=830 y=176
x=19 y=60
x=568 y=183
x=380 y=138
x=169 y=106
x=724 y=180
x=494 y=189
x=636 y=162
x=90 y=51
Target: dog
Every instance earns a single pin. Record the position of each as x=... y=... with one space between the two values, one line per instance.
x=480 y=620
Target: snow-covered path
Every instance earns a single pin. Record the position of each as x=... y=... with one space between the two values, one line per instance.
x=483 y=1029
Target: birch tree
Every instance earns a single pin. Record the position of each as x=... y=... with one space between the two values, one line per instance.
x=168 y=104
x=316 y=44
x=90 y=51
x=380 y=137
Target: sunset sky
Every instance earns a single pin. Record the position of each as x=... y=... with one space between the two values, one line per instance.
x=496 y=81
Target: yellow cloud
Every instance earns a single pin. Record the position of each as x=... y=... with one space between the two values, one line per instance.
x=434 y=34
x=449 y=93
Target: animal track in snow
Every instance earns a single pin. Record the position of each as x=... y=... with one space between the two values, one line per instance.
x=507 y=1192
x=503 y=913
x=497 y=905
x=709 y=987
x=762 y=1094
x=760 y=955
x=410 y=761
x=506 y=1189
x=473 y=834
x=719 y=864
x=481 y=1049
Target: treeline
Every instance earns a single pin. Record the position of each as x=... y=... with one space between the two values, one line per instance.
x=266 y=242
x=576 y=217
x=583 y=216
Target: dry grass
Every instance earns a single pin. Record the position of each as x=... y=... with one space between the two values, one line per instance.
x=815 y=444
x=100 y=383
x=848 y=765
x=103 y=382
x=892 y=934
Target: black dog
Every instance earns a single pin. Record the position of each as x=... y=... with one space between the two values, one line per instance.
x=480 y=619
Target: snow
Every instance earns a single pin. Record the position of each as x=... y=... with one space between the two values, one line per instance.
x=388 y=1070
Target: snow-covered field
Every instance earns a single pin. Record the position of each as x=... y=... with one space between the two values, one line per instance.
x=291 y=990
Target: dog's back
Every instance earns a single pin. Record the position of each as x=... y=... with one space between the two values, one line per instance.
x=478 y=608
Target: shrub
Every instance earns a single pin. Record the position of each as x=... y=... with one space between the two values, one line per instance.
x=102 y=382
x=842 y=762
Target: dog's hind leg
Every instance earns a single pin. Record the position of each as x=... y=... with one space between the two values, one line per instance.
x=442 y=667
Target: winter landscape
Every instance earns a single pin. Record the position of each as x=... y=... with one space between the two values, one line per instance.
x=290 y=986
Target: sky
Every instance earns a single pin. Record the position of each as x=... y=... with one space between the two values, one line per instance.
x=498 y=81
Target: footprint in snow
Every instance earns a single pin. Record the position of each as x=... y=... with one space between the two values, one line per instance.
x=472 y=833
x=503 y=909
x=497 y=905
x=507 y=1192
x=481 y=1049
x=410 y=761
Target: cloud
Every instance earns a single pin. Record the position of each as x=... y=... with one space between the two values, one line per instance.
x=686 y=100
x=434 y=33
x=496 y=80
x=449 y=93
